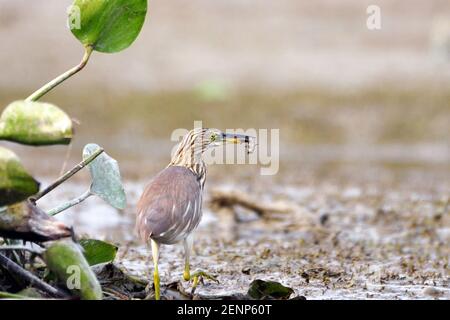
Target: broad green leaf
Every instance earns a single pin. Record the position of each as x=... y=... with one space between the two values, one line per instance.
x=65 y=260
x=106 y=25
x=260 y=289
x=35 y=123
x=16 y=184
x=97 y=251
x=106 y=180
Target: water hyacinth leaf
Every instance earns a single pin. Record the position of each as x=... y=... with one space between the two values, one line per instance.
x=260 y=289
x=107 y=26
x=16 y=184
x=106 y=180
x=26 y=221
x=97 y=251
x=35 y=123
x=65 y=260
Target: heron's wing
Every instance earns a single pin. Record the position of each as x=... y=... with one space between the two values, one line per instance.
x=169 y=206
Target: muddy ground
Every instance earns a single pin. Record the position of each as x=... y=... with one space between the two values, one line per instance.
x=383 y=234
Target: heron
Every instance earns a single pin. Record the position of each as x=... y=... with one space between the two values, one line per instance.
x=170 y=207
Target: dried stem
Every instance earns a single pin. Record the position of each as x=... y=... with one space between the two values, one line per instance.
x=30 y=278
x=34 y=251
x=67 y=175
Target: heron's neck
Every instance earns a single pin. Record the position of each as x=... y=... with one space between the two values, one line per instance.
x=190 y=158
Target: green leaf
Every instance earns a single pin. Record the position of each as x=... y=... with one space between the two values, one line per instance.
x=106 y=25
x=35 y=123
x=65 y=260
x=15 y=296
x=260 y=289
x=106 y=180
x=16 y=184
x=97 y=251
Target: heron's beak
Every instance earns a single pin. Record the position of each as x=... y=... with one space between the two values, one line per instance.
x=235 y=138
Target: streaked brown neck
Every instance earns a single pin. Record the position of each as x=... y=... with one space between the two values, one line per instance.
x=189 y=154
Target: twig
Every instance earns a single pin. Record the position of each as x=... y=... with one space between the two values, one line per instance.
x=34 y=281
x=38 y=252
x=10 y=242
x=67 y=175
x=116 y=294
x=231 y=198
x=49 y=86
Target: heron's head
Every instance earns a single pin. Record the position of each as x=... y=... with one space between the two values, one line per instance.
x=198 y=140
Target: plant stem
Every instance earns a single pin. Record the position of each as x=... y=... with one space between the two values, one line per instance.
x=34 y=281
x=70 y=203
x=35 y=251
x=7 y=295
x=49 y=86
x=67 y=175
x=12 y=242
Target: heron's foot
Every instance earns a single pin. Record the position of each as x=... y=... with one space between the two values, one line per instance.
x=186 y=275
x=199 y=276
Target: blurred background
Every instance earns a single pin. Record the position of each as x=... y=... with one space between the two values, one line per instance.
x=362 y=113
x=312 y=69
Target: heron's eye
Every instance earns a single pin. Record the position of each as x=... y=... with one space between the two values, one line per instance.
x=213 y=137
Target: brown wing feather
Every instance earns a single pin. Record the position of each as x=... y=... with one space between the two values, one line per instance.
x=170 y=206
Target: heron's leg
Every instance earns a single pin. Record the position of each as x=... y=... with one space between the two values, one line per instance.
x=197 y=275
x=187 y=252
x=155 y=254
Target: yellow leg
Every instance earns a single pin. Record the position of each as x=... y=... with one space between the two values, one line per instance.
x=187 y=252
x=155 y=254
x=197 y=275
x=186 y=273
